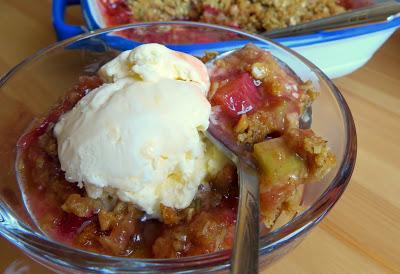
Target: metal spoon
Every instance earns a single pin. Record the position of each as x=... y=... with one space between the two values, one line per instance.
x=245 y=248
x=379 y=11
x=246 y=245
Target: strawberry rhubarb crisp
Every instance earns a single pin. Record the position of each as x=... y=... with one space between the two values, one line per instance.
x=254 y=16
x=121 y=165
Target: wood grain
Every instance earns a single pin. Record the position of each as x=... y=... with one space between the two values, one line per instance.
x=362 y=232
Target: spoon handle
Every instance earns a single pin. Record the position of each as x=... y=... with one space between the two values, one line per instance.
x=379 y=11
x=245 y=249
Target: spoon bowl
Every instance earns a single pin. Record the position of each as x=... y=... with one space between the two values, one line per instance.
x=245 y=250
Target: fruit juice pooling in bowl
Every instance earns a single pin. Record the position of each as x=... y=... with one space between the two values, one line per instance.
x=121 y=167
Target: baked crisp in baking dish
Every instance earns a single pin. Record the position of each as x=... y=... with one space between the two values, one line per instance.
x=255 y=16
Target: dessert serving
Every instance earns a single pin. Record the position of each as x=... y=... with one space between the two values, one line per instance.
x=121 y=166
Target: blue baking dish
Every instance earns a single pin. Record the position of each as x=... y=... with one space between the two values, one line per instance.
x=337 y=52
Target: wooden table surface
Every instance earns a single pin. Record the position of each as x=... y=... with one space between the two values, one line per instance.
x=362 y=232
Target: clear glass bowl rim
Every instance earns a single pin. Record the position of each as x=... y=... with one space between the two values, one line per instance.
x=30 y=240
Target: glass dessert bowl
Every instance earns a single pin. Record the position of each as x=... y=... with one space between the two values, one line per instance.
x=55 y=69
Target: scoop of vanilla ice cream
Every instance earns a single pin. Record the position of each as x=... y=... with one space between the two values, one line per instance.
x=152 y=62
x=137 y=137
